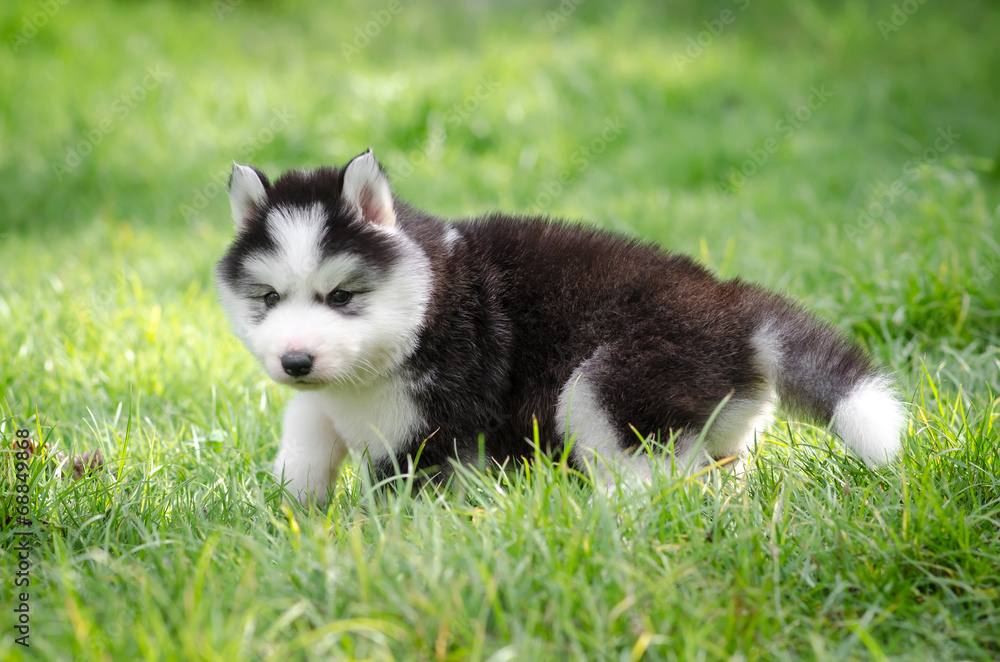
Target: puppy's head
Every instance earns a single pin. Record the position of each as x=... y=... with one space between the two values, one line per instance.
x=320 y=283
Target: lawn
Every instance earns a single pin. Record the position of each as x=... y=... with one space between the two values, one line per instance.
x=846 y=153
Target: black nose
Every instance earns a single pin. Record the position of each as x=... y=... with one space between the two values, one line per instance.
x=297 y=364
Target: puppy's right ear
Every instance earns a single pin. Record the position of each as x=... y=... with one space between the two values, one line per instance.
x=247 y=190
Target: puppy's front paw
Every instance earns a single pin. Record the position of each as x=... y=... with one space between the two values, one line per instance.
x=305 y=480
x=310 y=451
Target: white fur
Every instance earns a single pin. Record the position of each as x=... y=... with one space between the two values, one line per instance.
x=451 y=236
x=245 y=191
x=730 y=434
x=767 y=346
x=346 y=349
x=870 y=420
x=298 y=233
x=741 y=419
x=298 y=326
x=305 y=278
x=376 y=419
x=321 y=427
x=397 y=309
x=737 y=424
x=311 y=450
x=354 y=398
x=596 y=446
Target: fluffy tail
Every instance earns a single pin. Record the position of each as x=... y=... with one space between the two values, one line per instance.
x=822 y=375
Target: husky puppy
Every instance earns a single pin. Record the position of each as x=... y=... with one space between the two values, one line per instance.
x=407 y=338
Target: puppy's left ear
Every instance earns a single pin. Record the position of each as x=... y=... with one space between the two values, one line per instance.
x=367 y=189
x=247 y=190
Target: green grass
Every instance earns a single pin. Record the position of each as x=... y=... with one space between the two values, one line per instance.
x=187 y=549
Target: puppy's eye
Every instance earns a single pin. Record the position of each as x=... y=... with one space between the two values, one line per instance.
x=271 y=299
x=338 y=298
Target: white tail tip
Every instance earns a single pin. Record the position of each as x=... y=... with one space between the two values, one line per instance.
x=871 y=420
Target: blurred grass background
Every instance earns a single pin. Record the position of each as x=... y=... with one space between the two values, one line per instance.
x=114 y=190
x=119 y=122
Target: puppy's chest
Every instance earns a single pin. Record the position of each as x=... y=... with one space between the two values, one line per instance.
x=378 y=420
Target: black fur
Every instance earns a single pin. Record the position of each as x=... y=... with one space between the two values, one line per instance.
x=525 y=301
x=520 y=303
x=301 y=188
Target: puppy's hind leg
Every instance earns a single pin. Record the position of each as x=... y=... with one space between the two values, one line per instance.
x=311 y=451
x=597 y=447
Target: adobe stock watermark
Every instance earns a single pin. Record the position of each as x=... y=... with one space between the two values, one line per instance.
x=460 y=113
x=120 y=109
x=883 y=198
x=223 y=7
x=556 y=18
x=30 y=25
x=901 y=13
x=714 y=28
x=580 y=159
x=987 y=272
x=365 y=33
x=20 y=551
x=784 y=129
x=248 y=149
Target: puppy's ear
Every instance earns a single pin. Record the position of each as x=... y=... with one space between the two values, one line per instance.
x=247 y=190
x=366 y=188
